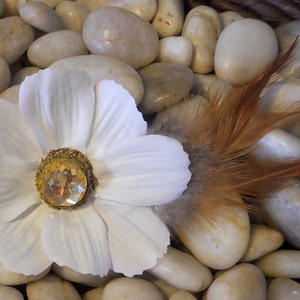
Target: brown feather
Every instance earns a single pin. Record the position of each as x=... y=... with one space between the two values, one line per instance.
x=220 y=142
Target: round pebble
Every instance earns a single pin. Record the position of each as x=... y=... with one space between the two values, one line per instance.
x=51 y=287
x=15 y=34
x=4 y=74
x=20 y=75
x=161 y=85
x=182 y=271
x=55 y=46
x=119 y=33
x=243 y=281
x=131 y=288
x=280 y=263
x=232 y=56
x=284 y=289
x=101 y=67
x=10 y=293
x=41 y=16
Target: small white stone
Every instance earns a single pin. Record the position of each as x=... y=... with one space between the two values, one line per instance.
x=4 y=75
x=182 y=295
x=169 y=18
x=233 y=61
x=20 y=75
x=280 y=263
x=263 y=240
x=54 y=46
x=177 y=49
x=131 y=288
x=51 y=287
x=284 y=289
x=10 y=293
x=41 y=16
x=182 y=271
x=243 y=281
x=11 y=94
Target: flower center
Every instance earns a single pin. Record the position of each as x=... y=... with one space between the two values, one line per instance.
x=65 y=179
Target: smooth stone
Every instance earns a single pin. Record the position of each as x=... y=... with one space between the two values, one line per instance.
x=220 y=238
x=4 y=75
x=169 y=18
x=41 y=16
x=280 y=263
x=176 y=49
x=233 y=61
x=51 y=287
x=144 y=9
x=131 y=288
x=101 y=67
x=202 y=27
x=228 y=17
x=54 y=46
x=182 y=295
x=15 y=34
x=85 y=279
x=94 y=294
x=283 y=289
x=167 y=289
x=281 y=210
x=182 y=271
x=50 y=3
x=20 y=75
x=286 y=34
x=202 y=83
x=72 y=14
x=161 y=88
x=10 y=293
x=243 y=281
x=116 y=32
x=263 y=240
x=11 y=278
x=11 y=94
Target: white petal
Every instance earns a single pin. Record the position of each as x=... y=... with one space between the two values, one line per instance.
x=17 y=188
x=20 y=245
x=117 y=118
x=58 y=106
x=137 y=237
x=77 y=239
x=149 y=170
x=15 y=139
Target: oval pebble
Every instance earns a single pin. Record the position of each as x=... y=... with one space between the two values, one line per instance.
x=284 y=289
x=54 y=46
x=51 y=287
x=182 y=271
x=41 y=16
x=169 y=18
x=15 y=34
x=4 y=74
x=101 y=67
x=280 y=263
x=20 y=75
x=243 y=281
x=232 y=55
x=177 y=49
x=131 y=288
x=119 y=33
x=263 y=240
x=11 y=94
x=161 y=87
x=10 y=293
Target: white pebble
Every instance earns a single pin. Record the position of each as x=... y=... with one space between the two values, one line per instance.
x=177 y=49
x=284 y=289
x=233 y=60
x=10 y=293
x=169 y=18
x=280 y=263
x=4 y=75
x=182 y=271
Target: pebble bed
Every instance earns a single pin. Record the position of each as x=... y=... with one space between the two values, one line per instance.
x=161 y=52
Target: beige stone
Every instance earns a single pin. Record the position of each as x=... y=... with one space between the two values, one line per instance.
x=50 y=3
x=94 y=294
x=284 y=289
x=20 y=75
x=11 y=94
x=202 y=83
x=228 y=17
x=4 y=74
x=182 y=295
x=10 y=293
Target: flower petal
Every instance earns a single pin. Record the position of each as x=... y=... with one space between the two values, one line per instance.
x=137 y=237
x=58 y=106
x=77 y=239
x=15 y=139
x=17 y=188
x=20 y=245
x=149 y=170
x=117 y=118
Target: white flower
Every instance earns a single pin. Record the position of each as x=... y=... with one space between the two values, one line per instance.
x=115 y=229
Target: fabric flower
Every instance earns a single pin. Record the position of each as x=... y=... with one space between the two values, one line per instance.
x=114 y=227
